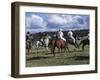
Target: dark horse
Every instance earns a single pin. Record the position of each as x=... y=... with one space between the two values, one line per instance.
x=70 y=41
x=59 y=43
x=29 y=42
x=84 y=42
x=28 y=46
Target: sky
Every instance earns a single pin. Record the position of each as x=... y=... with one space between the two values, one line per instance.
x=41 y=22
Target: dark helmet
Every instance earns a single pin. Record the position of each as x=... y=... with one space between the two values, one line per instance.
x=28 y=32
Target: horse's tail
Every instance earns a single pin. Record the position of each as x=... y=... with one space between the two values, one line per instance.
x=50 y=42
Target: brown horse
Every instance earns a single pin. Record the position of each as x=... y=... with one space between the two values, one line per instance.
x=59 y=43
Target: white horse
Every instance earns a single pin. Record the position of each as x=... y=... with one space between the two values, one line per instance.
x=46 y=42
x=43 y=42
x=38 y=44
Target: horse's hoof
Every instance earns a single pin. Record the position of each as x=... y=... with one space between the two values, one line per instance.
x=53 y=55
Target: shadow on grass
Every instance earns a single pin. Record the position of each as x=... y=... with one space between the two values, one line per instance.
x=78 y=58
x=77 y=51
x=38 y=58
x=81 y=57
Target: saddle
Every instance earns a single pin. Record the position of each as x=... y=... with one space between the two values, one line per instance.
x=60 y=39
x=70 y=40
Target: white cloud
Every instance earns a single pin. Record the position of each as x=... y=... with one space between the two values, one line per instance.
x=35 y=22
x=28 y=22
x=69 y=18
x=72 y=19
x=56 y=19
x=38 y=21
x=77 y=17
x=84 y=23
x=63 y=19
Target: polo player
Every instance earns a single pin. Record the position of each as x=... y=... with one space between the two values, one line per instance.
x=27 y=36
x=70 y=34
x=60 y=35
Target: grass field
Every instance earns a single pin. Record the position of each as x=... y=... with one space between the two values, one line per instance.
x=45 y=58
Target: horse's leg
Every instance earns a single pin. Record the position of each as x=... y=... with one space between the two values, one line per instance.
x=31 y=48
x=67 y=48
x=61 y=53
x=51 y=49
x=83 y=47
x=54 y=51
x=47 y=47
x=28 y=51
x=58 y=50
x=80 y=45
x=63 y=50
x=37 y=49
x=77 y=45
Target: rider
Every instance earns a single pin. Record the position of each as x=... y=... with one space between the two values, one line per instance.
x=27 y=35
x=60 y=35
x=70 y=34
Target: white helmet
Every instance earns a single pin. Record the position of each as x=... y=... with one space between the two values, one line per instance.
x=60 y=29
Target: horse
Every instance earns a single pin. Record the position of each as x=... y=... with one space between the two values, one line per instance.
x=43 y=42
x=84 y=42
x=38 y=45
x=71 y=42
x=59 y=43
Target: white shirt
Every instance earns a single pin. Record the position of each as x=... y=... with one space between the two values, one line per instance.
x=60 y=34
